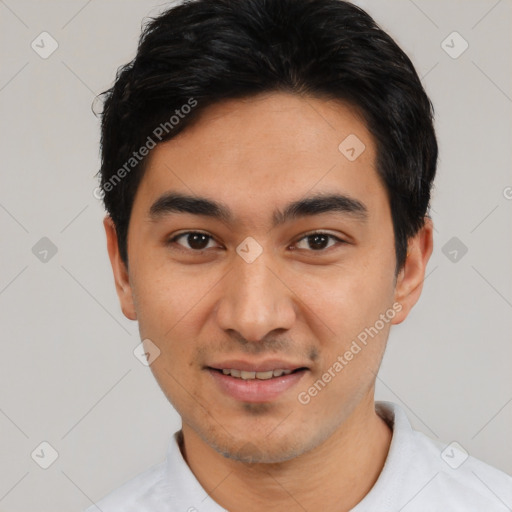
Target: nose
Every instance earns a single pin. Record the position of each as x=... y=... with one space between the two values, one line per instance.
x=255 y=300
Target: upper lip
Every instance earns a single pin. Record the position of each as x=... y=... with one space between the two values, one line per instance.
x=262 y=366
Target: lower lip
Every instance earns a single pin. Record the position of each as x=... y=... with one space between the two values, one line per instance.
x=256 y=390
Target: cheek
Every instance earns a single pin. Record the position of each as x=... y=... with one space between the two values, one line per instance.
x=173 y=305
x=162 y=298
x=346 y=298
x=358 y=312
x=168 y=305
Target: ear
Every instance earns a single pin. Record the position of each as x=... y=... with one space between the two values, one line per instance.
x=121 y=277
x=410 y=278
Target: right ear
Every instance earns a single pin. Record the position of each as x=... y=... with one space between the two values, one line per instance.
x=121 y=278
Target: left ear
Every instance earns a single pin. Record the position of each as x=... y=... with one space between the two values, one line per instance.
x=410 y=278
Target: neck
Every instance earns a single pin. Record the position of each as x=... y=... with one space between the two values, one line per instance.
x=333 y=477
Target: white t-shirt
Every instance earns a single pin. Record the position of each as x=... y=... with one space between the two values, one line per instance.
x=420 y=475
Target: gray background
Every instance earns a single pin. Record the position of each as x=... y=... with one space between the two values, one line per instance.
x=68 y=375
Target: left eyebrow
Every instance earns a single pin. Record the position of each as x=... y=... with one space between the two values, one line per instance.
x=322 y=203
x=173 y=202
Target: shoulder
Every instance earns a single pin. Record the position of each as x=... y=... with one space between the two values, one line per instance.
x=458 y=480
x=140 y=494
x=425 y=475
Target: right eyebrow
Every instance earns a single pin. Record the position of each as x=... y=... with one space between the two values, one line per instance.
x=173 y=202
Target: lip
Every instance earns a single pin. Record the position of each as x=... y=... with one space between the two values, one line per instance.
x=262 y=366
x=256 y=390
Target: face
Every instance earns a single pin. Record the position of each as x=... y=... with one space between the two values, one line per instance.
x=287 y=263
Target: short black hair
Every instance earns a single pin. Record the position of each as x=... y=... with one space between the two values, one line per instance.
x=200 y=52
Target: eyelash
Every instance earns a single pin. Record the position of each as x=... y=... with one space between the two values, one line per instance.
x=186 y=233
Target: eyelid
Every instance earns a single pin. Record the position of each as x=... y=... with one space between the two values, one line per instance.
x=320 y=232
x=189 y=232
x=175 y=237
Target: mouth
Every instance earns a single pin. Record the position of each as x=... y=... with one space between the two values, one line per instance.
x=252 y=375
x=256 y=383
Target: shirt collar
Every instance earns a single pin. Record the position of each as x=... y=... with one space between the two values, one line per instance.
x=184 y=489
x=385 y=493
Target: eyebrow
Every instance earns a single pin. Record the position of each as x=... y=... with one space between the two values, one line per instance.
x=174 y=202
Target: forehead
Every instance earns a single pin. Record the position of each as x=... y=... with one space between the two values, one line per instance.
x=256 y=153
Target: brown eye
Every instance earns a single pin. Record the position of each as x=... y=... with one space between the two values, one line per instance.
x=318 y=241
x=193 y=240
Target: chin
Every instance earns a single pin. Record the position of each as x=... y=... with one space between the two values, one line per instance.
x=250 y=453
x=258 y=447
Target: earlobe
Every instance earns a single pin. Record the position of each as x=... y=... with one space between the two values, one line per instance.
x=410 y=278
x=121 y=277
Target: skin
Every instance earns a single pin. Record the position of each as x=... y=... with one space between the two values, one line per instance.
x=301 y=305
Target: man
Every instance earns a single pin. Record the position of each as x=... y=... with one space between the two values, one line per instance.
x=266 y=168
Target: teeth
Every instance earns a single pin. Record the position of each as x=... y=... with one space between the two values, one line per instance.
x=278 y=373
x=242 y=374
x=264 y=375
